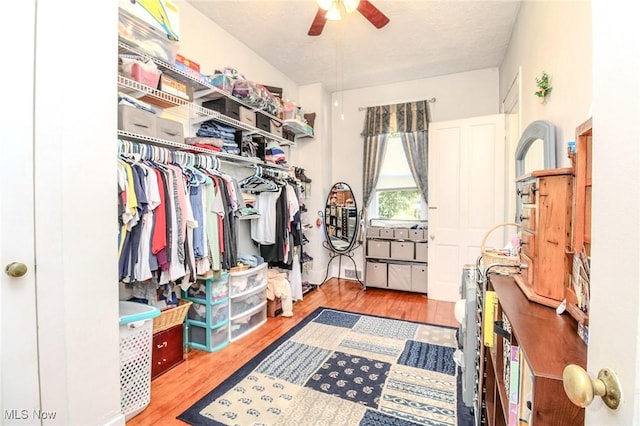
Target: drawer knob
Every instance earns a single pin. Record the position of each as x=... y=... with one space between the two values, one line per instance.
x=581 y=388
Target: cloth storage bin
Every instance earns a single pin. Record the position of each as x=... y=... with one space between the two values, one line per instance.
x=169 y=130
x=373 y=231
x=386 y=232
x=379 y=249
x=419 y=278
x=263 y=122
x=417 y=234
x=399 y=277
x=135 y=120
x=401 y=233
x=246 y=281
x=402 y=250
x=136 y=337
x=421 y=252
x=225 y=106
x=248 y=116
x=376 y=274
x=275 y=128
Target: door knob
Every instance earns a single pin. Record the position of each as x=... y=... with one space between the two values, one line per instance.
x=15 y=269
x=581 y=388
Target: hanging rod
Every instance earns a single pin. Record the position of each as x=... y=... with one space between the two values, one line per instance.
x=362 y=108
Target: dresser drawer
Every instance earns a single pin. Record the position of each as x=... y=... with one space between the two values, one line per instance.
x=167 y=350
x=527 y=191
x=528 y=218
x=528 y=244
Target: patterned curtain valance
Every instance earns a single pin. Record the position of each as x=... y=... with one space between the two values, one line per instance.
x=405 y=117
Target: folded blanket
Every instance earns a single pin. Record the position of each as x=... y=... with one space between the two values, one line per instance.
x=204 y=141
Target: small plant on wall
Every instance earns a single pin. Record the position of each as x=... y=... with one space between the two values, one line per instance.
x=544 y=87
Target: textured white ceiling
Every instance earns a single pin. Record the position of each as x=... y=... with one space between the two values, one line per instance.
x=423 y=39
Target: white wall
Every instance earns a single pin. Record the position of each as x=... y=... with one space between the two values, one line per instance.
x=204 y=42
x=554 y=37
x=462 y=95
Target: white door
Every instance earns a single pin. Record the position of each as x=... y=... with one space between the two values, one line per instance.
x=614 y=318
x=466 y=196
x=18 y=341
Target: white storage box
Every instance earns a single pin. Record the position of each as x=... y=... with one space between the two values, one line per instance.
x=373 y=231
x=378 y=249
x=421 y=252
x=386 y=232
x=402 y=250
x=376 y=275
x=417 y=234
x=247 y=281
x=399 y=277
x=136 y=338
x=419 y=278
x=401 y=233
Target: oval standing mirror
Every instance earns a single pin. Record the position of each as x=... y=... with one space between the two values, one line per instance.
x=341 y=218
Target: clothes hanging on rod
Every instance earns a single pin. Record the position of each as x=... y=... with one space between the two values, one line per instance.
x=178 y=217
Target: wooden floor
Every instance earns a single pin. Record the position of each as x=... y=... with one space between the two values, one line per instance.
x=179 y=388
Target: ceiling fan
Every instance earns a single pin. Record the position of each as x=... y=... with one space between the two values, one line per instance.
x=332 y=10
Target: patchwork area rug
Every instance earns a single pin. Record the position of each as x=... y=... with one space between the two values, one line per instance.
x=342 y=368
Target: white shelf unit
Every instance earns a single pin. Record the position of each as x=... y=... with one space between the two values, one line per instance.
x=201 y=91
x=396 y=255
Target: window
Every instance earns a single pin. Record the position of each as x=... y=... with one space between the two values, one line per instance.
x=396 y=194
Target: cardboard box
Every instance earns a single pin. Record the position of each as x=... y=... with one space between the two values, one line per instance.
x=187 y=62
x=176 y=88
x=274 y=307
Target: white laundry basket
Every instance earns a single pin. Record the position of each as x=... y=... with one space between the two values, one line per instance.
x=136 y=337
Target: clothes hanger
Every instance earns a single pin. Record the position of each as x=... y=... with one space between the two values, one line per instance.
x=257 y=183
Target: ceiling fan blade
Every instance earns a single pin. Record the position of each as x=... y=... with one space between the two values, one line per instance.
x=318 y=23
x=373 y=14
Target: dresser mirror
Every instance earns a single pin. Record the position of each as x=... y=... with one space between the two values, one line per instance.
x=341 y=218
x=536 y=148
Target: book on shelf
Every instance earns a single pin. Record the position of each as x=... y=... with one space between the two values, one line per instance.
x=514 y=385
x=490 y=314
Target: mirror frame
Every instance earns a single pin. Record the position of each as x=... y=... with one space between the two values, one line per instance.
x=539 y=129
x=354 y=237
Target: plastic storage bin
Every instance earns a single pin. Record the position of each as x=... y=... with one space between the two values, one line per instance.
x=136 y=338
x=208 y=317
x=246 y=281
x=248 y=322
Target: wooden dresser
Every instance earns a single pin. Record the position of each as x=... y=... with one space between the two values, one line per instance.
x=545 y=199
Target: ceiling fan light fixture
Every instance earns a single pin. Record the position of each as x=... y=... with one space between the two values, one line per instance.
x=350 y=5
x=333 y=14
x=324 y=4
